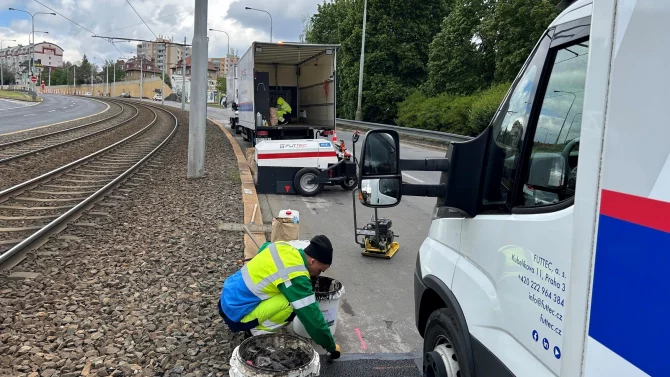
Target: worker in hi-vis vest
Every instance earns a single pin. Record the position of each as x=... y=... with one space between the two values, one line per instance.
x=282 y=108
x=275 y=286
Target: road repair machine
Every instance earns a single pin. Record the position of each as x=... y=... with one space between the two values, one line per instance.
x=304 y=166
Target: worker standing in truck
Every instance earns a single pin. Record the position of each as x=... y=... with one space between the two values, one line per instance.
x=282 y=108
x=275 y=286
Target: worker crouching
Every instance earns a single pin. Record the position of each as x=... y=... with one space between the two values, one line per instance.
x=274 y=287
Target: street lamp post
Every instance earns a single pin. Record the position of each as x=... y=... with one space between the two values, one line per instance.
x=359 y=111
x=183 y=77
x=261 y=10
x=32 y=47
x=221 y=31
x=2 y=77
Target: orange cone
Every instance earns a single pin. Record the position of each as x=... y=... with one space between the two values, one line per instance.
x=334 y=135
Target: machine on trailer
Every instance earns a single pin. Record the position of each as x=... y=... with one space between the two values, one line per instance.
x=304 y=166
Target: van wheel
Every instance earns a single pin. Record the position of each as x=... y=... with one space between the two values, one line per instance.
x=443 y=347
x=349 y=183
x=305 y=182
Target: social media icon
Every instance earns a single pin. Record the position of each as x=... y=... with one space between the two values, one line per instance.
x=557 y=352
x=545 y=343
x=536 y=336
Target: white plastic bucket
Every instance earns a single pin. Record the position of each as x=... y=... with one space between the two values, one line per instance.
x=240 y=368
x=329 y=303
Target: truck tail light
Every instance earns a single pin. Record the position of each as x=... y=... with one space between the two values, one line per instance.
x=262 y=133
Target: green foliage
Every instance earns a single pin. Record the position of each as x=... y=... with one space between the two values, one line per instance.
x=429 y=63
x=113 y=66
x=484 y=107
x=396 y=50
x=84 y=72
x=167 y=80
x=514 y=27
x=7 y=74
x=464 y=115
x=221 y=86
x=460 y=58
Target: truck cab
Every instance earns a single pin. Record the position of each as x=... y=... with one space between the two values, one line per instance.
x=533 y=267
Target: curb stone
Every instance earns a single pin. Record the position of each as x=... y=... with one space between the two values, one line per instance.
x=249 y=195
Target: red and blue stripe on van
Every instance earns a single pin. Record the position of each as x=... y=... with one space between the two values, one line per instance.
x=630 y=303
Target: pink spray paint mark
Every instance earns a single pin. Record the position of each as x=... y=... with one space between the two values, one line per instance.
x=360 y=338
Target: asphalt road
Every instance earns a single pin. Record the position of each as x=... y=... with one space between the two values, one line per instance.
x=377 y=312
x=54 y=108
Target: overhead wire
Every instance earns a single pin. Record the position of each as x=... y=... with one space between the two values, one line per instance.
x=53 y=10
x=138 y=15
x=76 y=23
x=153 y=19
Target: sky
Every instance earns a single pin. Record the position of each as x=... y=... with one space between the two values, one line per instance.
x=170 y=18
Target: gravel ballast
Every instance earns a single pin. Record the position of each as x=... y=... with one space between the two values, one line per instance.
x=133 y=291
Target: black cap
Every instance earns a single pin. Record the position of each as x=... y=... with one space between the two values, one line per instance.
x=320 y=249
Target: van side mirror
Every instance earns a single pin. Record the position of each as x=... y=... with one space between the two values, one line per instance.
x=380 y=178
x=378 y=192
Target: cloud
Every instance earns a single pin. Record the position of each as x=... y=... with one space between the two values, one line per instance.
x=171 y=18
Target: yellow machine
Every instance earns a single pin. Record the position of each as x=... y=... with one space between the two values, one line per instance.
x=378 y=238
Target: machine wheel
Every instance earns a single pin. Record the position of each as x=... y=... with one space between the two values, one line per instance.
x=443 y=347
x=302 y=184
x=349 y=183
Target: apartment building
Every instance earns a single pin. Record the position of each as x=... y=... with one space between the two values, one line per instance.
x=17 y=58
x=162 y=53
x=224 y=64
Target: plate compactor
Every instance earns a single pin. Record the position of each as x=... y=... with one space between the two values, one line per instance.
x=378 y=238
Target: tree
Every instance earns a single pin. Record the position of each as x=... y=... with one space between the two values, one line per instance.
x=398 y=34
x=514 y=27
x=221 y=86
x=461 y=59
x=167 y=80
x=84 y=72
x=114 y=66
x=8 y=74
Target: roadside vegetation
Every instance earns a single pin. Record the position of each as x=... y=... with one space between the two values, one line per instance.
x=20 y=96
x=436 y=64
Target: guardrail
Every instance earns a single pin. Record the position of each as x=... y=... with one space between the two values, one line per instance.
x=416 y=132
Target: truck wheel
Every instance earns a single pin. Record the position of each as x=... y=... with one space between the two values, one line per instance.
x=443 y=347
x=238 y=129
x=349 y=183
x=302 y=182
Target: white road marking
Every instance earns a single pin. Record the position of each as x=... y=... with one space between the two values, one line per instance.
x=27 y=115
x=412 y=177
x=51 y=111
x=17 y=102
x=65 y=107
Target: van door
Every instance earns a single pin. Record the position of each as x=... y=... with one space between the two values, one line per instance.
x=511 y=280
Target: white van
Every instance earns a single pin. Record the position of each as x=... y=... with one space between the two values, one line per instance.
x=532 y=267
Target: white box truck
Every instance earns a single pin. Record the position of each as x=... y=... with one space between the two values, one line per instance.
x=532 y=267
x=304 y=75
x=231 y=96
